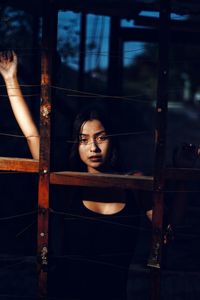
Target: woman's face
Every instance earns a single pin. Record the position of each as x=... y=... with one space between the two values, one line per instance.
x=94 y=145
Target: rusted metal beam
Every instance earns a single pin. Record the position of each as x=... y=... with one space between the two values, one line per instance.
x=102 y=180
x=49 y=42
x=19 y=164
x=160 y=145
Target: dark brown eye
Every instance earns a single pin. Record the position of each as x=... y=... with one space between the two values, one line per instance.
x=83 y=140
x=101 y=138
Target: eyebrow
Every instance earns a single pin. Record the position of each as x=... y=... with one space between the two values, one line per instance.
x=97 y=133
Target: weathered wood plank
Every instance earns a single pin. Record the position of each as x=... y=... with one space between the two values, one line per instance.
x=102 y=180
x=19 y=164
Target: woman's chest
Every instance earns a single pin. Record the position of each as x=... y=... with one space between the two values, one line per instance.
x=89 y=233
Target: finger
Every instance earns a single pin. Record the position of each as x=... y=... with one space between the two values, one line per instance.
x=2 y=56
x=14 y=55
x=5 y=54
x=9 y=55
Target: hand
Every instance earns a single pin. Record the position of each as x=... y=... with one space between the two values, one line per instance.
x=8 y=64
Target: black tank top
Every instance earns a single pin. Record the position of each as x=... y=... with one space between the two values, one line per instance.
x=97 y=252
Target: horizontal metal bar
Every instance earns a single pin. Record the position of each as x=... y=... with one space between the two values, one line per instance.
x=151 y=35
x=19 y=164
x=182 y=174
x=186 y=25
x=102 y=180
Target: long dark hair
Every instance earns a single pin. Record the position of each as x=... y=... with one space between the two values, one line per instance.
x=88 y=114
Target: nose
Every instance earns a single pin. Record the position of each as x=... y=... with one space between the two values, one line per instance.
x=94 y=146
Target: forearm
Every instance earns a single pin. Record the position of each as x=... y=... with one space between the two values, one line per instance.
x=22 y=114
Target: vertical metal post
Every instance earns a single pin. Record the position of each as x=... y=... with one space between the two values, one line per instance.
x=82 y=52
x=49 y=39
x=160 y=145
x=115 y=58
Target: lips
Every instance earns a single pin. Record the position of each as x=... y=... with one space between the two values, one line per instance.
x=95 y=158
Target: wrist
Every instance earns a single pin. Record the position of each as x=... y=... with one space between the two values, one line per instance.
x=9 y=79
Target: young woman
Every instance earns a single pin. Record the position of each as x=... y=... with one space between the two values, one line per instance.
x=101 y=225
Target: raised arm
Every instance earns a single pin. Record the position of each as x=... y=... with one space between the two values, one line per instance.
x=8 y=70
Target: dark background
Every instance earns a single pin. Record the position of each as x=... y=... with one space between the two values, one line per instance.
x=133 y=113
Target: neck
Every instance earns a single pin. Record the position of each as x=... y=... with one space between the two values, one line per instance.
x=93 y=171
x=100 y=170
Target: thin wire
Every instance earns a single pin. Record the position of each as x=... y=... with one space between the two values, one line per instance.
x=74 y=142
x=86 y=94
x=77 y=91
x=95 y=261
x=82 y=93
x=18 y=216
x=111 y=97
x=13 y=265
x=25 y=95
x=22 y=85
x=140 y=228
x=116 y=135
x=100 y=219
x=25 y=229
x=84 y=259
x=17 y=135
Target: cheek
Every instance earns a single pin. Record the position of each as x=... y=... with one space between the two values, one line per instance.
x=106 y=149
x=81 y=152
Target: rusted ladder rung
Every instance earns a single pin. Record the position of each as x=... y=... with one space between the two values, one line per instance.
x=102 y=180
x=19 y=164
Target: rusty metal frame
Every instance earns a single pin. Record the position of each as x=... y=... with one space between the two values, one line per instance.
x=160 y=145
x=160 y=131
x=49 y=42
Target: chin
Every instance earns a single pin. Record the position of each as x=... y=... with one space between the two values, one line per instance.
x=95 y=168
x=95 y=165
